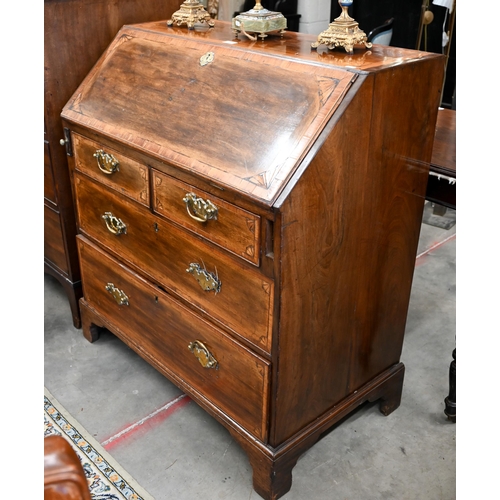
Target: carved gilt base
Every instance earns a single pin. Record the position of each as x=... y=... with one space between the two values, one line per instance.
x=342 y=34
x=190 y=13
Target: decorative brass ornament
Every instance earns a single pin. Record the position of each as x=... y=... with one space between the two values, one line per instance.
x=343 y=32
x=199 y=209
x=203 y=355
x=114 y=225
x=208 y=281
x=259 y=21
x=106 y=162
x=118 y=295
x=190 y=13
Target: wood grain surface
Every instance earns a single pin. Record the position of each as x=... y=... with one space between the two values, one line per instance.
x=238 y=385
x=163 y=252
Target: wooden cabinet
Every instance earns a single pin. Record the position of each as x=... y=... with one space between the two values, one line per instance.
x=76 y=34
x=248 y=218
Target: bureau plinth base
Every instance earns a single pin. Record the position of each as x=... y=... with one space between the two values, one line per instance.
x=272 y=467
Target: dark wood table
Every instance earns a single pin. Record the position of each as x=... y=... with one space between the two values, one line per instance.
x=441 y=189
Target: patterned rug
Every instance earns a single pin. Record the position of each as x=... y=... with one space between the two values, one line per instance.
x=106 y=479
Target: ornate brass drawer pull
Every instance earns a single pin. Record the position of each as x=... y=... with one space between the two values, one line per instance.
x=199 y=209
x=203 y=355
x=106 y=162
x=118 y=295
x=207 y=280
x=114 y=224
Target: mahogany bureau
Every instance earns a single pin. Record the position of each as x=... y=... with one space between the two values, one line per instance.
x=248 y=217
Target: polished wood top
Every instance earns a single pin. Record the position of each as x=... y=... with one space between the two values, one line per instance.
x=298 y=45
x=444 y=152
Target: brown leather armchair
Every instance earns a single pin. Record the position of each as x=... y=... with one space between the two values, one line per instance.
x=64 y=478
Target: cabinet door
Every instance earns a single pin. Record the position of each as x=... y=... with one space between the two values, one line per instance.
x=53 y=241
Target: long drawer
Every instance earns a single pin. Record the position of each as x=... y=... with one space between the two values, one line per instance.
x=232 y=377
x=227 y=289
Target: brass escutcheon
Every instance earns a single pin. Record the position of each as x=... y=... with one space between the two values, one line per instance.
x=106 y=162
x=199 y=209
x=118 y=295
x=114 y=225
x=207 y=280
x=206 y=58
x=203 y=355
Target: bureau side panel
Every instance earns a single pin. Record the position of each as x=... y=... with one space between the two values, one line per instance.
x=350 y=228
x=318 y=236
x=405 y=106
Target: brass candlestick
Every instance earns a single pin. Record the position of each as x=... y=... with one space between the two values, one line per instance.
x=190 y=13
x=343 y=32
x=259 y=21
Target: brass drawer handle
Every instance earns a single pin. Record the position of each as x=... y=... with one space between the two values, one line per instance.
x=203 y=355
x=207 y=280
x=118 y=295
x=199 y=209
x=114 y=224
x=106 y=162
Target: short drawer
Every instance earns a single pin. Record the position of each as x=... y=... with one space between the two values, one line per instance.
x=232 y=377
x=226 y=225
x=112 y=168
x=229 y=290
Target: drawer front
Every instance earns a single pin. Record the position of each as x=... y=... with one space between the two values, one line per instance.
x=222 y=223
x=112 y=168
x=225 y=288
x=180 y=343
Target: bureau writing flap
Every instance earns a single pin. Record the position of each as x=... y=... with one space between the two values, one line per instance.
x=240 y=118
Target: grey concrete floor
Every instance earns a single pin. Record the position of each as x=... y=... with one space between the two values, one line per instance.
x=175 y=450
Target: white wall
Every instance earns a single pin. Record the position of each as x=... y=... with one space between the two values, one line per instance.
x=315 y=15
x=228 y=7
